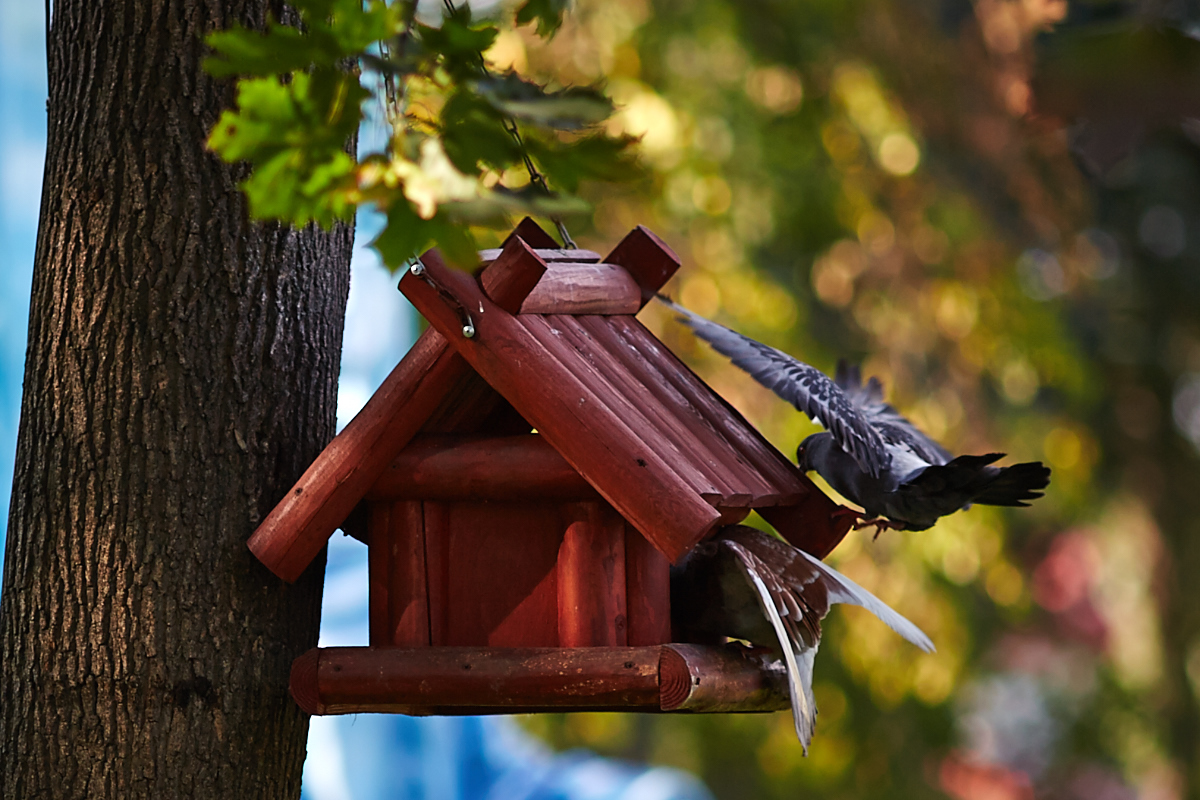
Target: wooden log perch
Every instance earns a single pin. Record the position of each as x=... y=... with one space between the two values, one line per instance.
x=350 y=680
x=706 y=679
x=495 y=680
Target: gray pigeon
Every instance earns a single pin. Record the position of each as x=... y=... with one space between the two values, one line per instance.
x=746 y=584
x=869 y=452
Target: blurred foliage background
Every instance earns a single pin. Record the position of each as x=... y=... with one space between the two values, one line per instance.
x=995 y=206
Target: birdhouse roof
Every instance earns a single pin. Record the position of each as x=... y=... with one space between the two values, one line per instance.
x=546 y=339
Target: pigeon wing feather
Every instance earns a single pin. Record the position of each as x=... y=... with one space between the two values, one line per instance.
x=804 y=709
x=819 y=584
x=805 y=387
x=895 y=429
x=843 y=590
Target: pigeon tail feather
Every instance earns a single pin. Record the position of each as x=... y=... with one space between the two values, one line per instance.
x=1016 y=484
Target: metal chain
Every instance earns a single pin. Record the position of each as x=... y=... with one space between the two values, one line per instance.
x=419 y=270
x=536 y=178
x=394 y=103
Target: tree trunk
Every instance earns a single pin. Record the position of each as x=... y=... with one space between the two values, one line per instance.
x=181 y=373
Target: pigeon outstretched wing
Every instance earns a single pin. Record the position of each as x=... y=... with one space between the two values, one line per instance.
x=805 y=387
x=799 y=570
x=895 y=429
x=749 y=585
x=870 y=453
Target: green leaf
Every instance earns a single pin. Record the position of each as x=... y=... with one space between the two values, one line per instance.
x=294 y=135
x=547 y=13
x=460 y=45
x=496 y=207
x=333 y=32
x=406 y=236
x=241 y=51
x=596 y=157
x=473 y=134
x=403 y=237
x=570 y=109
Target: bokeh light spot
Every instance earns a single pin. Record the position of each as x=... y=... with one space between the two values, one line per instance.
x=899 y=154
x=1185 y=407
x=644 y=114
x=1042 y=277
x=876 y=232
x=1019 y=380
x=841 y=142
x=933 y=681
x=711 y=194
x=833 y=274
x=776 y=89
x=1004 y=584
x=701 y=294
x=957 y=311
x=1063 y=448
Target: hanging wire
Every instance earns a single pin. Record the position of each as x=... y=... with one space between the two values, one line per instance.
x=396 y=99
x=419 y=270
x=536 y=178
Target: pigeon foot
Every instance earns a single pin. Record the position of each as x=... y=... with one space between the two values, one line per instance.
x=881 y=524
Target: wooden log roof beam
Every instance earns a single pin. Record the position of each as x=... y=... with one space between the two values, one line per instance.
x=580 y=425
x=299 y=526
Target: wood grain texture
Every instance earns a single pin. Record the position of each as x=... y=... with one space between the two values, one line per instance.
x=576 y=288
x=473 y=467
x=502 y=680
x=468 y=402
x=379 y=567
x=647 y=592
x=407 y=613
x=437 y=569
x=671 y=435
x=720 y=679
x=582 y=427
x=549 y=255
x=777 y=470
x=302 y=522
x=591 y=577
x=506 y=680
x=509 y=279
x=647 y=258
x=533 y=234
x=811 y=525
x=501 y=582
x=181 y=373
x=646 y=366
x=554 y=335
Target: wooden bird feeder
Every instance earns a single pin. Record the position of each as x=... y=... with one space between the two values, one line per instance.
x=526 y=488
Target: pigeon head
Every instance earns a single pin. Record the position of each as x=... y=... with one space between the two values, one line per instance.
x=811 y=451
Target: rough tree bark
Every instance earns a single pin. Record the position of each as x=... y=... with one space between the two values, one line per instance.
x=181 y=373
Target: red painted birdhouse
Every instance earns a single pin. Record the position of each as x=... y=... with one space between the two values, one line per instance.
x=529 y=471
